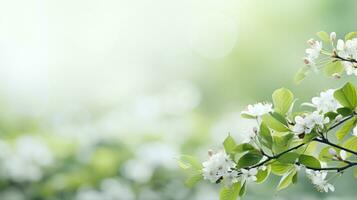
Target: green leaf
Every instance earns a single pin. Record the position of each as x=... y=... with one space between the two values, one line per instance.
x=249 y=159
x=265 y=135
x=350 y=35
x=243 y=189
x=344 y=111
x=323 y=36
x=274 y=123
x=346 y=128
x=309 y=161
x=240 y=148
x=282 y=99
x=247 y=116
x=334 y=67
x=282 y=141
x=351 y=144
x=187 y=161
x=263 y=175
x=289 y=157
x=301 y=74
x=279 y=168
x=230 y=193
x=331 y=115
x=295 y=178
x=286 y=180
x=229 y=144
x=193 y=180
x=347 y=96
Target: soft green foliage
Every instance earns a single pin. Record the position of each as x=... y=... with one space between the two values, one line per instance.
x=286 y=180
x=230 y=193
x=283 y=99
x=347 y=96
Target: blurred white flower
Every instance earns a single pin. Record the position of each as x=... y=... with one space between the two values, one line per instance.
x=110 y=189
x=318 y=179
x=259 y=109
x=217 y=166
x=147 y=158
x=26 y=160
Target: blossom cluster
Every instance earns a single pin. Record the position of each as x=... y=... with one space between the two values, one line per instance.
x=336 y=57
x=280 y=142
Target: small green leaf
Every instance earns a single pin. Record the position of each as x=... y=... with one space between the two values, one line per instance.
x=346 y=128
x=289 y=157
x=295 y=178
x=247 y=116
x=351 y=144
x=331 y=115
x=279 y=168
x=193 y=180
x=265 y=135
x=263 y=175
x=282 y=141
x=274 y=123
x=229 y=144
x=344 y=111
x=309 y=161
x=301 y=74
x=283 y=99
x=334 y=67
x=230 y=193
x=240 y=148
x=323 y=36
x=249 y=159
x=350 y=35
x=243 y=189
x=347 y=96
x=286 y=180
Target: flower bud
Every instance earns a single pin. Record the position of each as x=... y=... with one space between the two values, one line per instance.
x=336 y=75
x=332 y=151
x=333 y=36
x=311 y=42
x=210 y=153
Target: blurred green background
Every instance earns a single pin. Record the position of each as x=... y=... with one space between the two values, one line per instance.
x=99 y=98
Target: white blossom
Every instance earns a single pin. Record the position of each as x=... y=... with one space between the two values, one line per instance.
x=308 y=122
x=249 y=175
x=348 y=50
x=217 y=166
x=325 y=102
x=302 y=125
x=318 y=179
x=259 y=109
x=313 y=52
